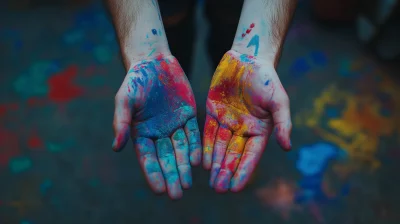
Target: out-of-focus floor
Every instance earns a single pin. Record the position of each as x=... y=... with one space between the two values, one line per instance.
x=60 y=69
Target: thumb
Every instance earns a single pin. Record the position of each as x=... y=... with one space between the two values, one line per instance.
x=122 y=121
x=280 y=109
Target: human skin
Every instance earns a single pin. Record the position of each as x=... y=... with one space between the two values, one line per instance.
x=155 y=105
x=246 y=100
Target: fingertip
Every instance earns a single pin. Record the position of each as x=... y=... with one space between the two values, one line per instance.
x=286 y=145
x=283 y=138
x=195 y=157
x=222 y=181
x=206 y=163
x=159 y=189
x=238 y=182
x=118 y=145
x=175 y=193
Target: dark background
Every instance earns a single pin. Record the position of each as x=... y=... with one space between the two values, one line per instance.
x=59 y=71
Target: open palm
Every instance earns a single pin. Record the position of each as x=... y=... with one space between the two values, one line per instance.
x=156 y=106
x=245 y=102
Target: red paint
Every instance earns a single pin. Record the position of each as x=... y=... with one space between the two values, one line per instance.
x=248 y=31
x=62 y=88
x=243 y=34
x=9 y=146
x=252 y=25
x=34 y=142
x=160 y=56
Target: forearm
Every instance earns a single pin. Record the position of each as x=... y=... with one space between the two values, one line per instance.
x=262 y=28
x=139 y=29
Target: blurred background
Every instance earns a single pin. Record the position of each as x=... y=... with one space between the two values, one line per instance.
x=60 y=68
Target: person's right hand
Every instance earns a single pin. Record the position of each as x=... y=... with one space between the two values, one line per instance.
x=156 y=106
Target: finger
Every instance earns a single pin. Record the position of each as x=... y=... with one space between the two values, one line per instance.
x=181 y=147
x=193 y=137
x=280 y=110
x=224 y=135
x=230 y=163
x=251 y=155
x=122 y=121
x=149 y=164
x=210 y=130
x=166 y=157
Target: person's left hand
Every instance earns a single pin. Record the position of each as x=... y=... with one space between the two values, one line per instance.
x=245 y=101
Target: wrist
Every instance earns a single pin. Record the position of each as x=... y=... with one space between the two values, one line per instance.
x=134 y=54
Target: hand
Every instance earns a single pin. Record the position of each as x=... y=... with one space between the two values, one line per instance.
x=156 y=106
x=245 y=101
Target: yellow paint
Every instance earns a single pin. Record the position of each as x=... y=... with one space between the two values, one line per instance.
x=209 y=140
x=230 y=81
x=360 y=127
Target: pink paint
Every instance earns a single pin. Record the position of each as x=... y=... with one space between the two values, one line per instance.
x=9 y=146
x=62 y=87
x=252 y=25
x=248 y=31
x=34 y=142
x=243 y=34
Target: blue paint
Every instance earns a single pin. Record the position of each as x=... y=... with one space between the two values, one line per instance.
x=312 y=162
x=319 y=58
x=266 y=83
x=45 y=186
x=246 y=59
x=87 y=46
x=332 y=112
x=255 y=41
x=152 y=52
x=385 y=112
x=20 y=164
x=154 y=31
x=299 y=67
